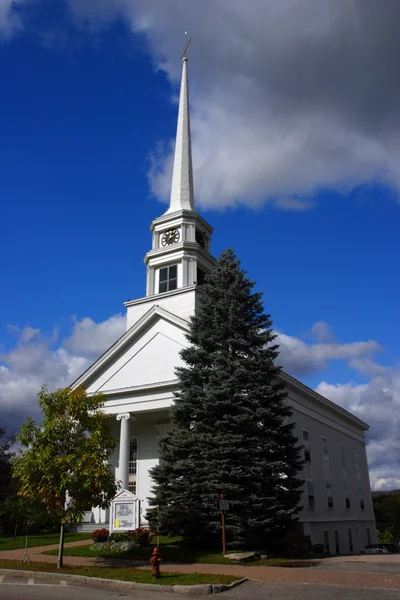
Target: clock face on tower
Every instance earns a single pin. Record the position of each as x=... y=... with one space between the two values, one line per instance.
x=170 y=237
x=200 y=239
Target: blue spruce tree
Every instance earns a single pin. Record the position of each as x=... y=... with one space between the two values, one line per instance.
x=232 y=431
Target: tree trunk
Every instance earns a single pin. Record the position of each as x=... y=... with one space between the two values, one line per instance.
x=61 y=548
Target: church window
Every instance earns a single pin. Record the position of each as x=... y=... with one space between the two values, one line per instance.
x=132 y=466
x=342 y=456
x=328 y=485
x=168 y=279
x=337 y=541
x=306 y=444
x=325 y=448
x=326 y=541
x=351 y=547
x=329 y=496
x=358 y=474
x=310 y=494
x=344 y=473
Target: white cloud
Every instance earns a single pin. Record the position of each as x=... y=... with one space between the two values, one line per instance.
x=367 y=367
x=37 y=359
x=90 y=339
x=378 y=403
x=300 y=358
x=293 y=203
x=287 y=97
x=322 y=332
x=10 y=22
x=384 y=481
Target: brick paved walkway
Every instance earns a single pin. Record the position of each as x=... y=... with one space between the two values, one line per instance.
x=269 y=574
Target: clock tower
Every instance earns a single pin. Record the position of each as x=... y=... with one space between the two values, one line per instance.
x=181 y=239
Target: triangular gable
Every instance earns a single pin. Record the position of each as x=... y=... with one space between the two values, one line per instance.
x=152 y=358
x=151 y=345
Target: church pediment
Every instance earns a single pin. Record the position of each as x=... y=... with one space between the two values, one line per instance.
x=146 y=354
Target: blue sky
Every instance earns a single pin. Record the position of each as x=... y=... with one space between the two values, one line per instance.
x=300 y=180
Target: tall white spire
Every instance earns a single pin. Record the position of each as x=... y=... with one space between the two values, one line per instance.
x=182 y=195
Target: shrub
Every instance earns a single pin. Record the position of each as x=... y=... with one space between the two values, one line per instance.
x=141 y=537
x=294 y=544
x=386 y=536
x=16 y=513
x=318 y=549
x=100 y=535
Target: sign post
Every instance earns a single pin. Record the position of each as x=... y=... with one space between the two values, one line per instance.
x=223 y=506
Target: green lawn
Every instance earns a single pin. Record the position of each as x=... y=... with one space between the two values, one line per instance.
x=125 y=574
x=8 y=543
x=174 y=550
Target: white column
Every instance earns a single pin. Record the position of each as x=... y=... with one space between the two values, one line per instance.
x=124 y=440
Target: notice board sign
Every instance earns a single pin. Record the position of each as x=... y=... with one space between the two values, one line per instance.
x=223 y=505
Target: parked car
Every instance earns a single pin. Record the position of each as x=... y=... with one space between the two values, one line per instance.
x=375 y=549
x=393 y=548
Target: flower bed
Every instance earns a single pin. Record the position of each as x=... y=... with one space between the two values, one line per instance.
x=139 y=537
x=111 y=546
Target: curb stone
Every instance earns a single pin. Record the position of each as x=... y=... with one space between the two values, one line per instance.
x=217 y=588
x=193 y=589
x=201 y=589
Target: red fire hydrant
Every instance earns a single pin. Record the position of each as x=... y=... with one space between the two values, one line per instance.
x=155 y=563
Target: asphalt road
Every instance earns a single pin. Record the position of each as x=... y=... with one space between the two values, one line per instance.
x=13 y=588
x=361 y=567
x=253 y=590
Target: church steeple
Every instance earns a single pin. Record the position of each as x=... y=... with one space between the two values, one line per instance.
x=182 y=195
x=180 y=254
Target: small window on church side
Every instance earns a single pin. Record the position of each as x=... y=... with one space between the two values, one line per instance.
x=168 y=279
x=306 y=444
x=132 y=465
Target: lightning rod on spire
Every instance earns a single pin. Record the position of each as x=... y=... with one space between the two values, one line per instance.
x=186 y=47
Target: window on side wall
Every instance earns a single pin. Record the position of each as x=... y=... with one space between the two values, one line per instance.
x=368 y=535
x=306 y=445
x=310 y=494
x=350 y=540
x=132 y=465
x=330 y=500
x=326 y=541
x=325 y=448
x=337 y=541
x=342 y=456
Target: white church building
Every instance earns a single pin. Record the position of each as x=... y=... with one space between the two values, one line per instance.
x=137 y=376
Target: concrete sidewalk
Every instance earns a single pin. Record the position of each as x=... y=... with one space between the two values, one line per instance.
x=310 y=575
